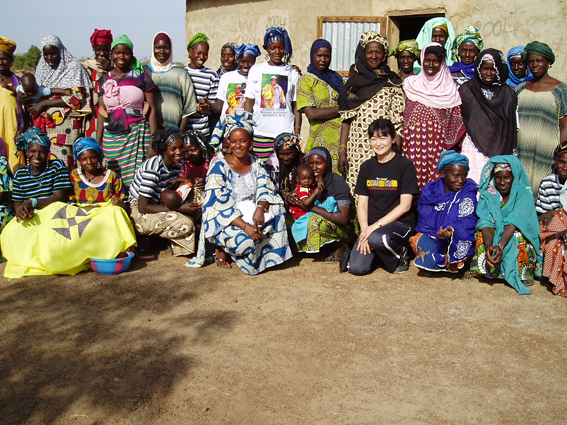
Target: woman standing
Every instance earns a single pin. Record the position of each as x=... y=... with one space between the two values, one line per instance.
x=174 y=95
x=433 y=120
x=406 y=53
x=228 y=59
x=542 y=105
x=465 y=49
x=11 y=111
x=489 y=112
x=126 y=136
x=59 y=69
x=318 y=99
x=373 y=92
x=271 y=93
x=438 y=30
x=518 y=69
x=100 y=64
x=243 y=215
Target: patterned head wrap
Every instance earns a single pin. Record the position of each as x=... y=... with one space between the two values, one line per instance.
x=406 y=46
x=247 y=49
x=370 y=36
x=278 y=34
x=198 y=38
x=229 y=46
x=514 y=81
x=451 y=157
x=7 y=46
x=161 y=139
x=193 y=137
x=242 y=119
x=70 y=73
x=287 y=141
x=502 y=167
x=136 y=64
x=101 y=36
x=34 y=136
x=222 y=70
x=471 y=34
x=444 y=27
x=538 y=48
x=83 y=144
x=560 y=149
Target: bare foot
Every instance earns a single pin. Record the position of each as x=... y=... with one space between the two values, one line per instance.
x=222 y=260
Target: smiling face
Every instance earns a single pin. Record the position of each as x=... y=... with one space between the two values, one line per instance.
x=561 y=166
x=245 y=62
x=322 y=58
x=52 y=56
x=406 y=61
x=381 y=144
x=503 y=181
x=174 y=153
x=122 y=56
x=37 y=156
x=318 y=164
x=276 y=52
x=431 y=64
x=199 y=54
x=439 y=35
x=518 y=66
x=487 y=72
x=162 y=51
x=467 y=52
x=455 y=178
x=538 y=65
x=287 y=156
x=102 y=51
x=227 y=58
x=240 y=143
x=89 y=161
x=374 y=54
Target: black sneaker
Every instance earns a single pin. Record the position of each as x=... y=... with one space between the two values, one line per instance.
x=403 y=265
x=343 y=265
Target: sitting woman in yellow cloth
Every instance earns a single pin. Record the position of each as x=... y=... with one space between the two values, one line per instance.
x=49 y=235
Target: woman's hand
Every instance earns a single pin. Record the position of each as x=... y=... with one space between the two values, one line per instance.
x=37 y=109
x=363 y=246
x=343 y=163
x=445 y=233
x=24 y=211
x=493 y=256
x=204 y=106
x=24 y=98
x=118 y=202
x=199 y=183
x=104 y=63
x=292 y=199
x=250 y=231
x=546 y=217
x=193 y=209
x=258 y=219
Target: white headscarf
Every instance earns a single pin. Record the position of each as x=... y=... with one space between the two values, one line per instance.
x=69 y=74
x=157 y=66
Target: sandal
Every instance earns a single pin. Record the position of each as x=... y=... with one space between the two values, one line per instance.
x=223 y=264
x=142 y=254
x=467 y=277
x=332 y=259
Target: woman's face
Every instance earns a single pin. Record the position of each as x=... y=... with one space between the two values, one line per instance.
x=276 y=52
x=174 y=152
x=245 y=62
x=518 y=66
x=318 y=164
x=89 y=161
x=193 y=154
x=561 y=166
x=199 y=54
x=162 y=51
x=381 y=144
x=503 y=181
x=37 y=155
x=52 y=56
x=455 y=178
x=225 y=147
x=102 y=51
x=374 y=53
x=538 y=65
x=406 y=61
x=227 y=58
x=122 y=56
x=240 y=143
x=467 y=52
x=322 y=58
x=488 y=72
x=438 y=35
x=287 y=156
x=6 y=62
x=431 y=64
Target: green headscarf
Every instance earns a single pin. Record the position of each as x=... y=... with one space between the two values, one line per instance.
x=406 y=45
x=538 y=48
x=471 y=34
x=198 y=38
x=123 y=39
x=519 y=211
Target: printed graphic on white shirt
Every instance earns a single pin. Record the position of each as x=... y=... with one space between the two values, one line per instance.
x=274 y=91
x=235 y=97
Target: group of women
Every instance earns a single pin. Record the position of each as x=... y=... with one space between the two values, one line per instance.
x=395 y=157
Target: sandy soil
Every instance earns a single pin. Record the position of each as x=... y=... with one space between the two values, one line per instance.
x=300 y=344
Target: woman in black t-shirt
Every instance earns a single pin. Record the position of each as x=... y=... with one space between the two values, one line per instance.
x=385 y=187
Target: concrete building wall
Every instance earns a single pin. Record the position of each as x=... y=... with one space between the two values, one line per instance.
x=503 y=24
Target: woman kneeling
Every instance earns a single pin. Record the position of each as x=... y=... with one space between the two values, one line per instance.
x=385 y=187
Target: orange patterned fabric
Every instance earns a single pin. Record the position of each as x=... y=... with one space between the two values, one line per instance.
x=554 y=264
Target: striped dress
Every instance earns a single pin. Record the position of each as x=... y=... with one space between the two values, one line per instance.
x=54 y=178
x=206 y=84
x=539 y=129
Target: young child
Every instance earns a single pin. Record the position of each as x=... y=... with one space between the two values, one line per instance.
x=171 y=199
x=38 y=93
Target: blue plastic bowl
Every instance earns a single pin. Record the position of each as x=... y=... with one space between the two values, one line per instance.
x=112 y=267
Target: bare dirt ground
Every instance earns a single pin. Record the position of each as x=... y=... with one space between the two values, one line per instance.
x=300 y=344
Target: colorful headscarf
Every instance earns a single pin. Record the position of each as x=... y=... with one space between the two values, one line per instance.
x=247 y=49
x=155 y=65
x=538 y=48
x=424 y=37
x=514 y=81
x=559 y=150
x=7 y=46
x=136 y=64
x=287 y=141
x=406 y=45
x=69 y=74
x=278 y=34
x=330 y=77
x=367 y=82
x=198 y=38
x=451 y=157
x=222 y=70
x=101 y=36
x=83 y=144
x=471 y=34
x=502 y=167
x=242 y=119
x=34 y=136
x=193 y=137
x=161 y=139
x=437 y=91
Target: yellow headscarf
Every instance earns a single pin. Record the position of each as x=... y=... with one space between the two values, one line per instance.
x=7 y=46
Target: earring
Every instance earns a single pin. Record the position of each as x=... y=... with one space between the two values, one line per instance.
x=549 y=66
x=98 y=165
x=267 y=57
